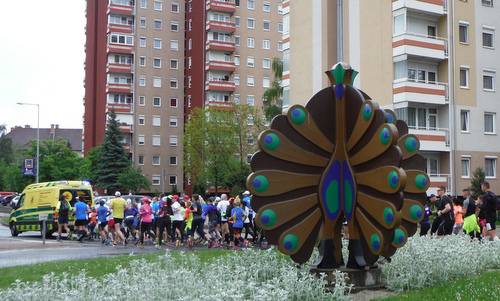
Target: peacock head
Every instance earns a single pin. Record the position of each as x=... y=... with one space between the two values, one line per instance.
x=340 y=76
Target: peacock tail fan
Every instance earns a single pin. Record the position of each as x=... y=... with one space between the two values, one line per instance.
x=341 y=158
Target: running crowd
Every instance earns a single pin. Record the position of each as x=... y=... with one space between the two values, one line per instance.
x=475 y=217
x=182 y=221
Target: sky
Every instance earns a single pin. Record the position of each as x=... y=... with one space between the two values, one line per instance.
x=42 y=54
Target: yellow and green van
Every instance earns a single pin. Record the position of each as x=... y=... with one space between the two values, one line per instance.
x=43 y=199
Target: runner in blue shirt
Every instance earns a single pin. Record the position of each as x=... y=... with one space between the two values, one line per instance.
x=102 y=219
x=81 y=214
x=238 y=216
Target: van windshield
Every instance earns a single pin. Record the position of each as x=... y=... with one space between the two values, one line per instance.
x=71 y=194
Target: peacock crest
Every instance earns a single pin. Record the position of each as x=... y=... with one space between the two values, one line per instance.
x=338 y=159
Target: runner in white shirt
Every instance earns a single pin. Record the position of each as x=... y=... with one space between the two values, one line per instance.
x=222 y=207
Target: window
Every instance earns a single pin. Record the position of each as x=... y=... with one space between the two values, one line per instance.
x=142 y=42
x=250 y=23
x=156 y=101
x=463 y=32
x=140 y=140
x=141 y=120
x=280 y=46
x=121 y=39
x=431 y=31
x=142 y=81
x=156 y=120
x=465 y=162
x=432 y=166
x=156 y=180
x=267 y=26
x=490 y=167
x=140 y=160
x=266 y=6
x=488 y=81
x=158 y=5
x=250 y=61
x=157 y=24
x=250 y=100
x=280 y=27
x=237 y=21
x=142 y=100
x=489 y=123
x=156 y=141
x=174 y=8
x=250 y=42
x=431 y=77
x=237 y=60
x=399 y=24
x=266 y=44
x=174 y=45
x=266 y=63
x=156 y=82
x=173 y=160
x=488 y=3
x=464 y=77
x=488 y=34
x=174 y=26
x=250 y=140
x=157 y=62
x=464 y=120
x=173 y=102
x=250 y=81
x=237 y=40
x=173 y=122
x=236 y=99
x=250 y=120
x=174 y=64
x=173 y=84
x=173 y=140
x=172 y=180
x=236 y=79
x=266 y=82
x=157 y=44
x=251 y=4
x=142 y=22
x=156 y=160
x=144 y=4
x=142 y=61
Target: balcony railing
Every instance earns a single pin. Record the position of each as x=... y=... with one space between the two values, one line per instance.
x=438 y=180
x=118 y=88
x=220 y=104
x=420 y=45
x=220 y=45
x=433 y=7
x=120 y=48
x=432 y=139
x=126 y=128
x=119 y=68
x=228 y=6
x=408 y=90
x=121 y=28
x=221 y=26
x=220 y=66
x=120 y=107
x=220 y=85
x=121 y=7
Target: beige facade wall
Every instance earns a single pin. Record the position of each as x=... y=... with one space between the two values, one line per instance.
x=477 y=160
x=165 y=111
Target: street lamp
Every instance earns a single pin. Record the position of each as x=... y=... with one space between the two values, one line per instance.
x=37 y=136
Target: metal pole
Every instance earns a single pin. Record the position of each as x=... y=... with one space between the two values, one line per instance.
x=44 y=230
x=38 y=148
x=340 y=30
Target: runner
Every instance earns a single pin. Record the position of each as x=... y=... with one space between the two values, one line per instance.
x=63 y=216
x=102 y=219
x=238 y=216
x=164 y=222
x=178 y=218
x=222 y=207
x=146 y=214
x=118 y=209
x=81 y=214
x=213 y=216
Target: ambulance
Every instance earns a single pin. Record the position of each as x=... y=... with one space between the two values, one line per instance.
x=41 y=201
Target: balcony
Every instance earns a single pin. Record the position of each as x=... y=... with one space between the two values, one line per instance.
x=118 y=68
x=220 y=66
x=221 y=6
x=419 y=45
x=118 y=88
x=121 y=28
x=220 y=85
x=126 y=128
x=124 y=108
x=120 y=48
x=438 y=180
x=126 y=8
x=433 y=7
x=219 y=104
x=221 y=26
x=433 y=139
x=405 y=90
x=220 y=46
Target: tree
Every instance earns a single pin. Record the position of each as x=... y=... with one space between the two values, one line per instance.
x=6 y=149
x=132 y=180
x=113 y=160
x=477 y=180
x=273 y=102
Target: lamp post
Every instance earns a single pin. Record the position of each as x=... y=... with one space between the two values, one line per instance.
x=37 y=136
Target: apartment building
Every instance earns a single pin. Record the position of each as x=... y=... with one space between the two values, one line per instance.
x=134 y=66
x=433 y=62
x=230 y=45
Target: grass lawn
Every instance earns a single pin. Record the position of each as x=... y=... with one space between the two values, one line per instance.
x=96 y=267
x=483 y=287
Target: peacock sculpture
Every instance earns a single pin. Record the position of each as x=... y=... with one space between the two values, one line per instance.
x=338 y=159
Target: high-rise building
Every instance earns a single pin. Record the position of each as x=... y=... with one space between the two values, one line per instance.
x=134 y=66
x=153 y=61
x=433 y=62
x=230 y=46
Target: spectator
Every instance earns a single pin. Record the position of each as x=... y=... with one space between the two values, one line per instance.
x=489 y=207
x=443 y=223
x=425 y=224
x=469 y=206
x=63 y=216
x=458 y=214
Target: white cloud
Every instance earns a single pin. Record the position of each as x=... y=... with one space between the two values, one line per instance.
x=42 y=61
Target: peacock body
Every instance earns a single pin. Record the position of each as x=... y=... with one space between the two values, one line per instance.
x=338 y=159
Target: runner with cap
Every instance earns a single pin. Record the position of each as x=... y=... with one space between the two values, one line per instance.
x=118 y=209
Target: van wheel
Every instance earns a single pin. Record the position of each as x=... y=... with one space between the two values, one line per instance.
x=13 y=230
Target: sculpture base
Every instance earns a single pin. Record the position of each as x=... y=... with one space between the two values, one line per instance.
x=360 y=279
